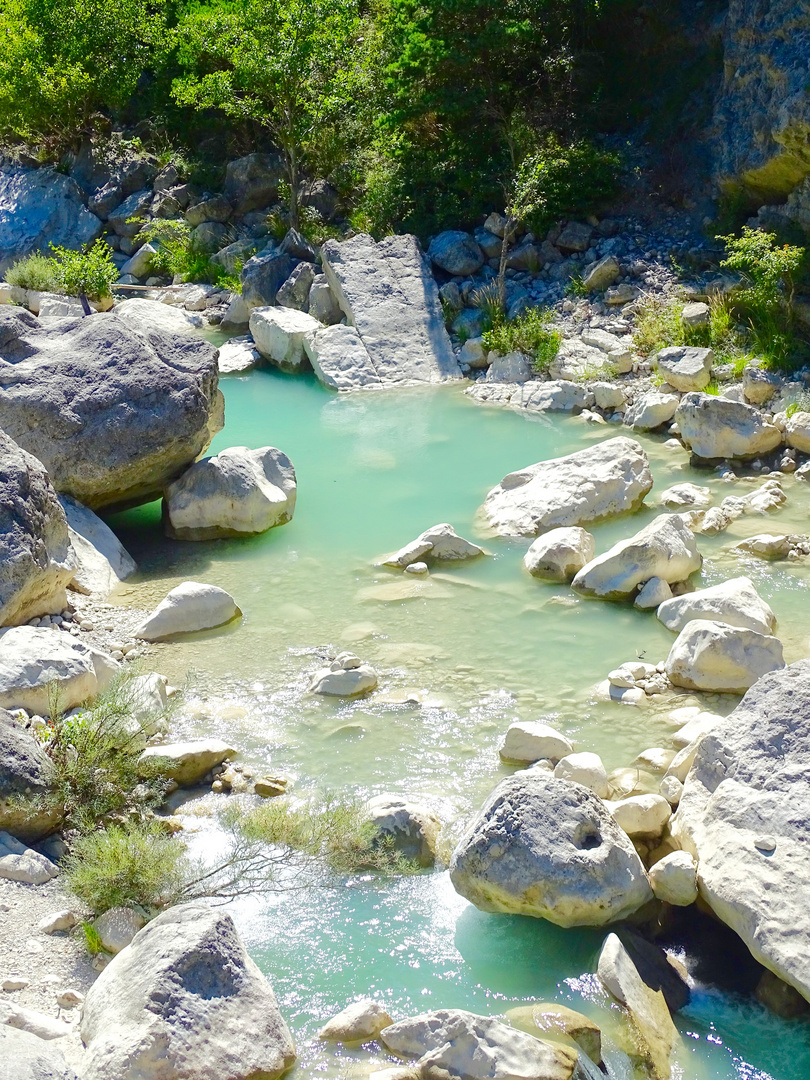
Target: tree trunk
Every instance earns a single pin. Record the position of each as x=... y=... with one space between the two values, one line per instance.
x=508 y=234
x=292 y=166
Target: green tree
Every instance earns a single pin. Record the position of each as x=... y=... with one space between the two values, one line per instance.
x=62 y=61
x=289 y=66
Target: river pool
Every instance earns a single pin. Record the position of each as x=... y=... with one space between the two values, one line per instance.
x=459 y=655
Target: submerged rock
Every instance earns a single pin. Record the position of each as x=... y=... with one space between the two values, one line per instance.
x=238 y=492
x=601 y=481
x=347 y=676
x=358 y=1022
x=184 y=999
x=714 y=656
x=188 y=607
x=549 y=1017
x=745 y=815
x=35 y=557
x=412 y=826
x=112 y=413
x=439 y=542
x=664 y=549
x=549 y=848
x=559 y=554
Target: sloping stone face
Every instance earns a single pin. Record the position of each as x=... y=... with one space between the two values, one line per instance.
x=35 y=556
x=112 y=413
x=388 y=293
x=762 y=111
x=745 y=815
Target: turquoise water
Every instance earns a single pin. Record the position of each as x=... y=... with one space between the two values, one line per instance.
x=459 y=657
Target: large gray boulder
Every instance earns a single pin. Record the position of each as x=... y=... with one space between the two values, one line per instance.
x=35 y=557
x=456 y=253
x=251 y=182
x=463 y=1045
x=745 y=815
x=39 y=207
x=340 y=359
x=184 y=1000
x=549 y=848
x=36 y=661
x=24 y=1056
x=102 y=562
x=388 y=293
x=715 y=657
x=663 y=549
x=238 y=492
x=715 y=427
x=262 y=277
x=25 y=769
x=113 y=414
x=604 y=480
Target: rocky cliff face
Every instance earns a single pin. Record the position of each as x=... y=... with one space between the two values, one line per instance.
x=762 y=111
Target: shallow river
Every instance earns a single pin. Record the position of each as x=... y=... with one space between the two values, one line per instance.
x=460 y=656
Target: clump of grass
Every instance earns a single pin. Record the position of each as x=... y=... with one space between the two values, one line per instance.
x=801 y=403
x=660 y=325
x=576 y=286
x=91 y=272
x=92 y=939
x=487 y=299
x=178 y=253
x=530 y=333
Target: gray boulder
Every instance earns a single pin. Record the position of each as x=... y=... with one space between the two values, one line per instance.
x=549 y=848
x=745 y=815
x=113 y=414
x=35 y=557
x=322 y=303
x=35 y=660
x=127 y=218
x=184 y=1000
x=251 y=182
x=39 y=207
x=601 y=481
x=262 y=277
x=25 y=768
x=102 y=562
x=25 y=1056
x=387 y=292
x=294 y=293
x=456 y=252
x=714 y=427
x=340 y=359
x=684 y=367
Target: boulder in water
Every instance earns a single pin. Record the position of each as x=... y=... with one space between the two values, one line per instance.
x=188 y=607
x=713 y=656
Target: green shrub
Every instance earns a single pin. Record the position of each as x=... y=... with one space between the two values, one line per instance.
x=90 y=272
x=529 y=333
x=488 y=300
x=138 y=864
x=560 y=181
x=179 y=253
x=660 y=325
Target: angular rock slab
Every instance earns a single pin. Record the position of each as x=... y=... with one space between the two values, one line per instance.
x=24 y=767
x=24 y=1056
x=184 y=999
x=713 y=656
x=440 y=542
x=33 y=658
x=35 y=558
x=340 y=359
x=112 y=413
x=664 y=549
x=735 y=602
x=549 y=848
x=685 y=367
x=238 y=492
x=188 y=607
x=471 y=1047
x=714 y=427
x=103 y=562
x=745 y=815
x=604 y=480
x=279 y=335
x=388 y=293
x=558 y=555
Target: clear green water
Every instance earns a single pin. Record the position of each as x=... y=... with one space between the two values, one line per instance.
x=459 y=657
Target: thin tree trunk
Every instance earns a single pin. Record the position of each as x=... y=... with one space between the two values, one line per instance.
x=292 y=162
x=508 y=234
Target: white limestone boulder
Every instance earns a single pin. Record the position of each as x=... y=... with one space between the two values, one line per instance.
x=188 y=607
x=683 y=496
x=33 y=659
x=440 y=543
x=652 y=594
x=340 y=359
x=714 y=427
x=26 y=1056
x=117 y=926
x=238 y=355
x=664 y=549
x=642 y=817
x=559 y=554
x=347 y=676
x=410 y=824
x=527 y=741
x=601 y=481
x=651 y=410
x=238 y=492
x=36 y=563
x=358 y=1022
x=453 y=1042
x=102 y=562
x=797 y=431
x=513 y=367
x=549 y=1018
x=557 y=395
x=685 y=367
x=184 y=999
x=153 y=316
x=714 y=656
x=279 y=334
x=21 y=863
x=745 y=816
x=584 y=768
x=674 y=879
x=186 y=762
x=550 y=849
x=735 y=602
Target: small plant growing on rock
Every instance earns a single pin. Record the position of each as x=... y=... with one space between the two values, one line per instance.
x=89 y=272
x=530 y=333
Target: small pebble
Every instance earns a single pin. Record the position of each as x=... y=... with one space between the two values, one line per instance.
x=69 y=999
x=15 y=982
x=765 y=844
